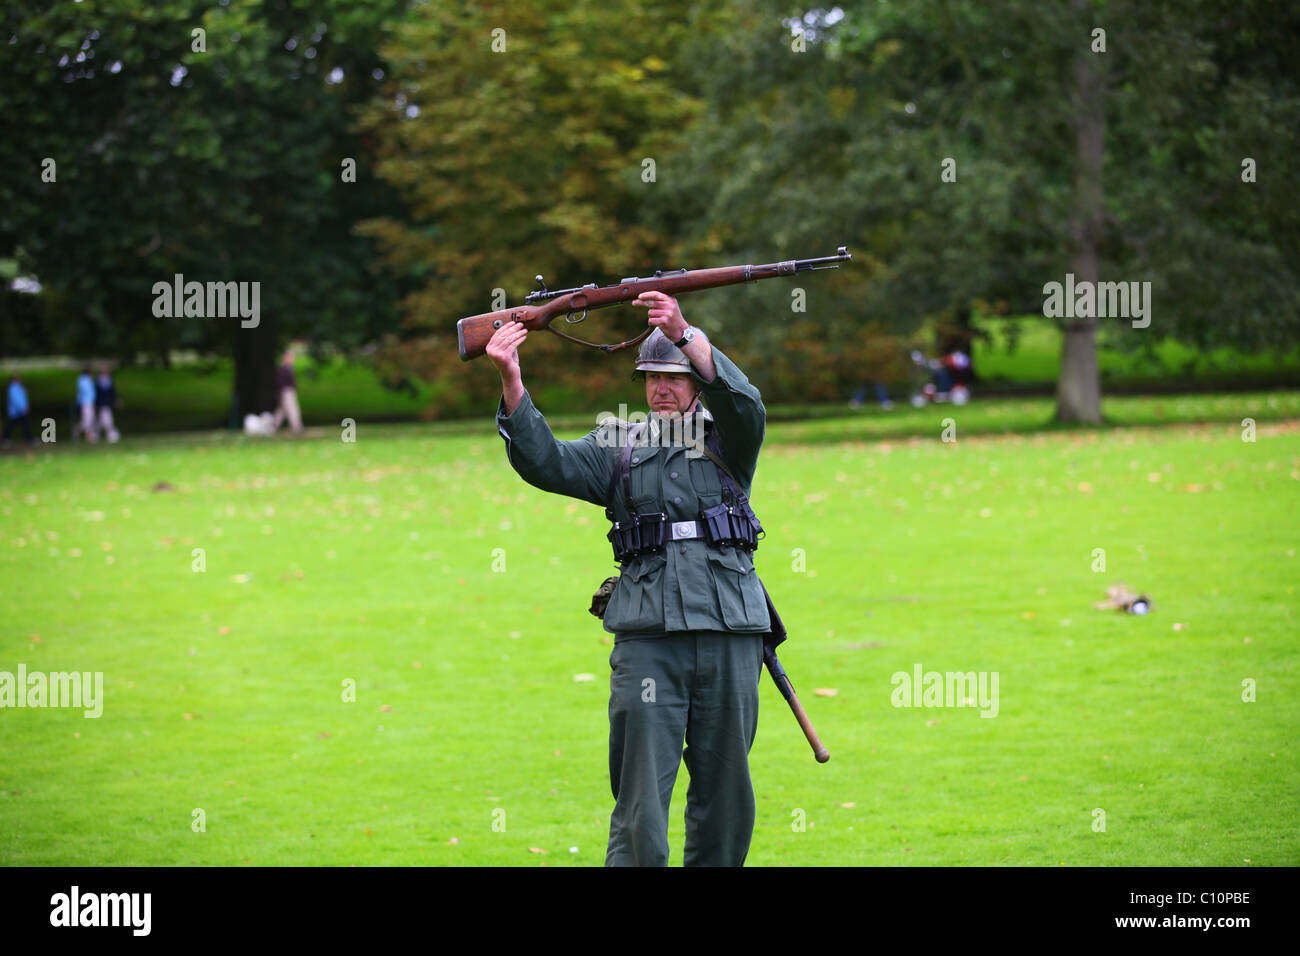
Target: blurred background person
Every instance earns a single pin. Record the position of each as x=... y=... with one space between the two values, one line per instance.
x=286 y=386
x=85 y=424
x=105 y=400
x=16 y=411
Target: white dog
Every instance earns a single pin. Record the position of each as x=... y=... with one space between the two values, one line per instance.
x=262 y=424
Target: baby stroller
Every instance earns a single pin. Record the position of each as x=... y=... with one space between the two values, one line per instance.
x=941 y=381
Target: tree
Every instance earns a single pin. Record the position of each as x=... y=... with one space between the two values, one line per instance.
x=195 y=139
x=524 y=139
x=974 y=152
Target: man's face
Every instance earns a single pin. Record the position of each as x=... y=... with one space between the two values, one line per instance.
x=668 y=392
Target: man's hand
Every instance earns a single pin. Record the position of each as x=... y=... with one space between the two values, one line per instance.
x=665 y=313
x=503 y=350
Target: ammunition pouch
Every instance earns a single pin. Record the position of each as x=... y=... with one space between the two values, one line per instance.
x=732 y=525
x=644 y=534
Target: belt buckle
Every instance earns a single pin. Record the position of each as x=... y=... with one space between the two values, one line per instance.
x=684 y=529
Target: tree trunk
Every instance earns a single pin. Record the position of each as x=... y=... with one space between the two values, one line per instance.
x=254 y=351
x=1078 y=390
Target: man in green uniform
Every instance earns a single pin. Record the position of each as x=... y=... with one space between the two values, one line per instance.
x=687 y=619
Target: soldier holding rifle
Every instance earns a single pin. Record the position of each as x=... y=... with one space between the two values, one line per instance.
x=688 y=615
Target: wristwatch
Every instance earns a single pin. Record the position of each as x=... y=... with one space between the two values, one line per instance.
x=687 y=337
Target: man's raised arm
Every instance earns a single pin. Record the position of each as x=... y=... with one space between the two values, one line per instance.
x=735 y=404
x=580 y=468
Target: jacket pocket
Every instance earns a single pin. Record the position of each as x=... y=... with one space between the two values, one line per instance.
x=644 y=475
x=637 y=603
x=740 y=596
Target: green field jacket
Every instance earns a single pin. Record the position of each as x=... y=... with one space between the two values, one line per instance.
x=689 y=586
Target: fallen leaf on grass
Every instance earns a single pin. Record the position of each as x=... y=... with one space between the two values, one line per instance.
x=581 y=678
x=826 y=691
x=533 y=849
x=386 y=708
x=324 y=734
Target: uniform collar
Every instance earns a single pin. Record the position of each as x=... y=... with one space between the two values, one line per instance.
x=656 y=423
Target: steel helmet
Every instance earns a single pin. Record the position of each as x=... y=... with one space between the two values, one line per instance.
x=660 y=355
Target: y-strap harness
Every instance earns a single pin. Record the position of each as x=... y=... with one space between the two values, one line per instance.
x=730 y=524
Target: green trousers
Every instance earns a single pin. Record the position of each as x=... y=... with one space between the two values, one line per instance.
x=696 y=686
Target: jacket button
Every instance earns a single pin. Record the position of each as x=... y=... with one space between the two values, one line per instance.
x=683 y=549
x=677 y=501
x=673 y=475
x=635 y=460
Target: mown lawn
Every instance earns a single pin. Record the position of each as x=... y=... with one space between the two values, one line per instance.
x=372 y=562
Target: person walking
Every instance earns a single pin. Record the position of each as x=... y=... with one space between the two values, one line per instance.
x=286 y=387
x=105 y=402
x=16 y=411
x=86 y=406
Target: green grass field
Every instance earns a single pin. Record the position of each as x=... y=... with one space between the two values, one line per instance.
x=373 y=562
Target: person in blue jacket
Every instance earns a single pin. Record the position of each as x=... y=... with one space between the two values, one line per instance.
x=16 y=411
x=86 y=406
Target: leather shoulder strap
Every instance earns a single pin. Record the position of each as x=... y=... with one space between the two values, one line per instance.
x=713 y=448
x=623 y=471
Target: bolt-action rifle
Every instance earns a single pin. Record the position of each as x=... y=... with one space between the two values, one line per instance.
x=542 y=307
